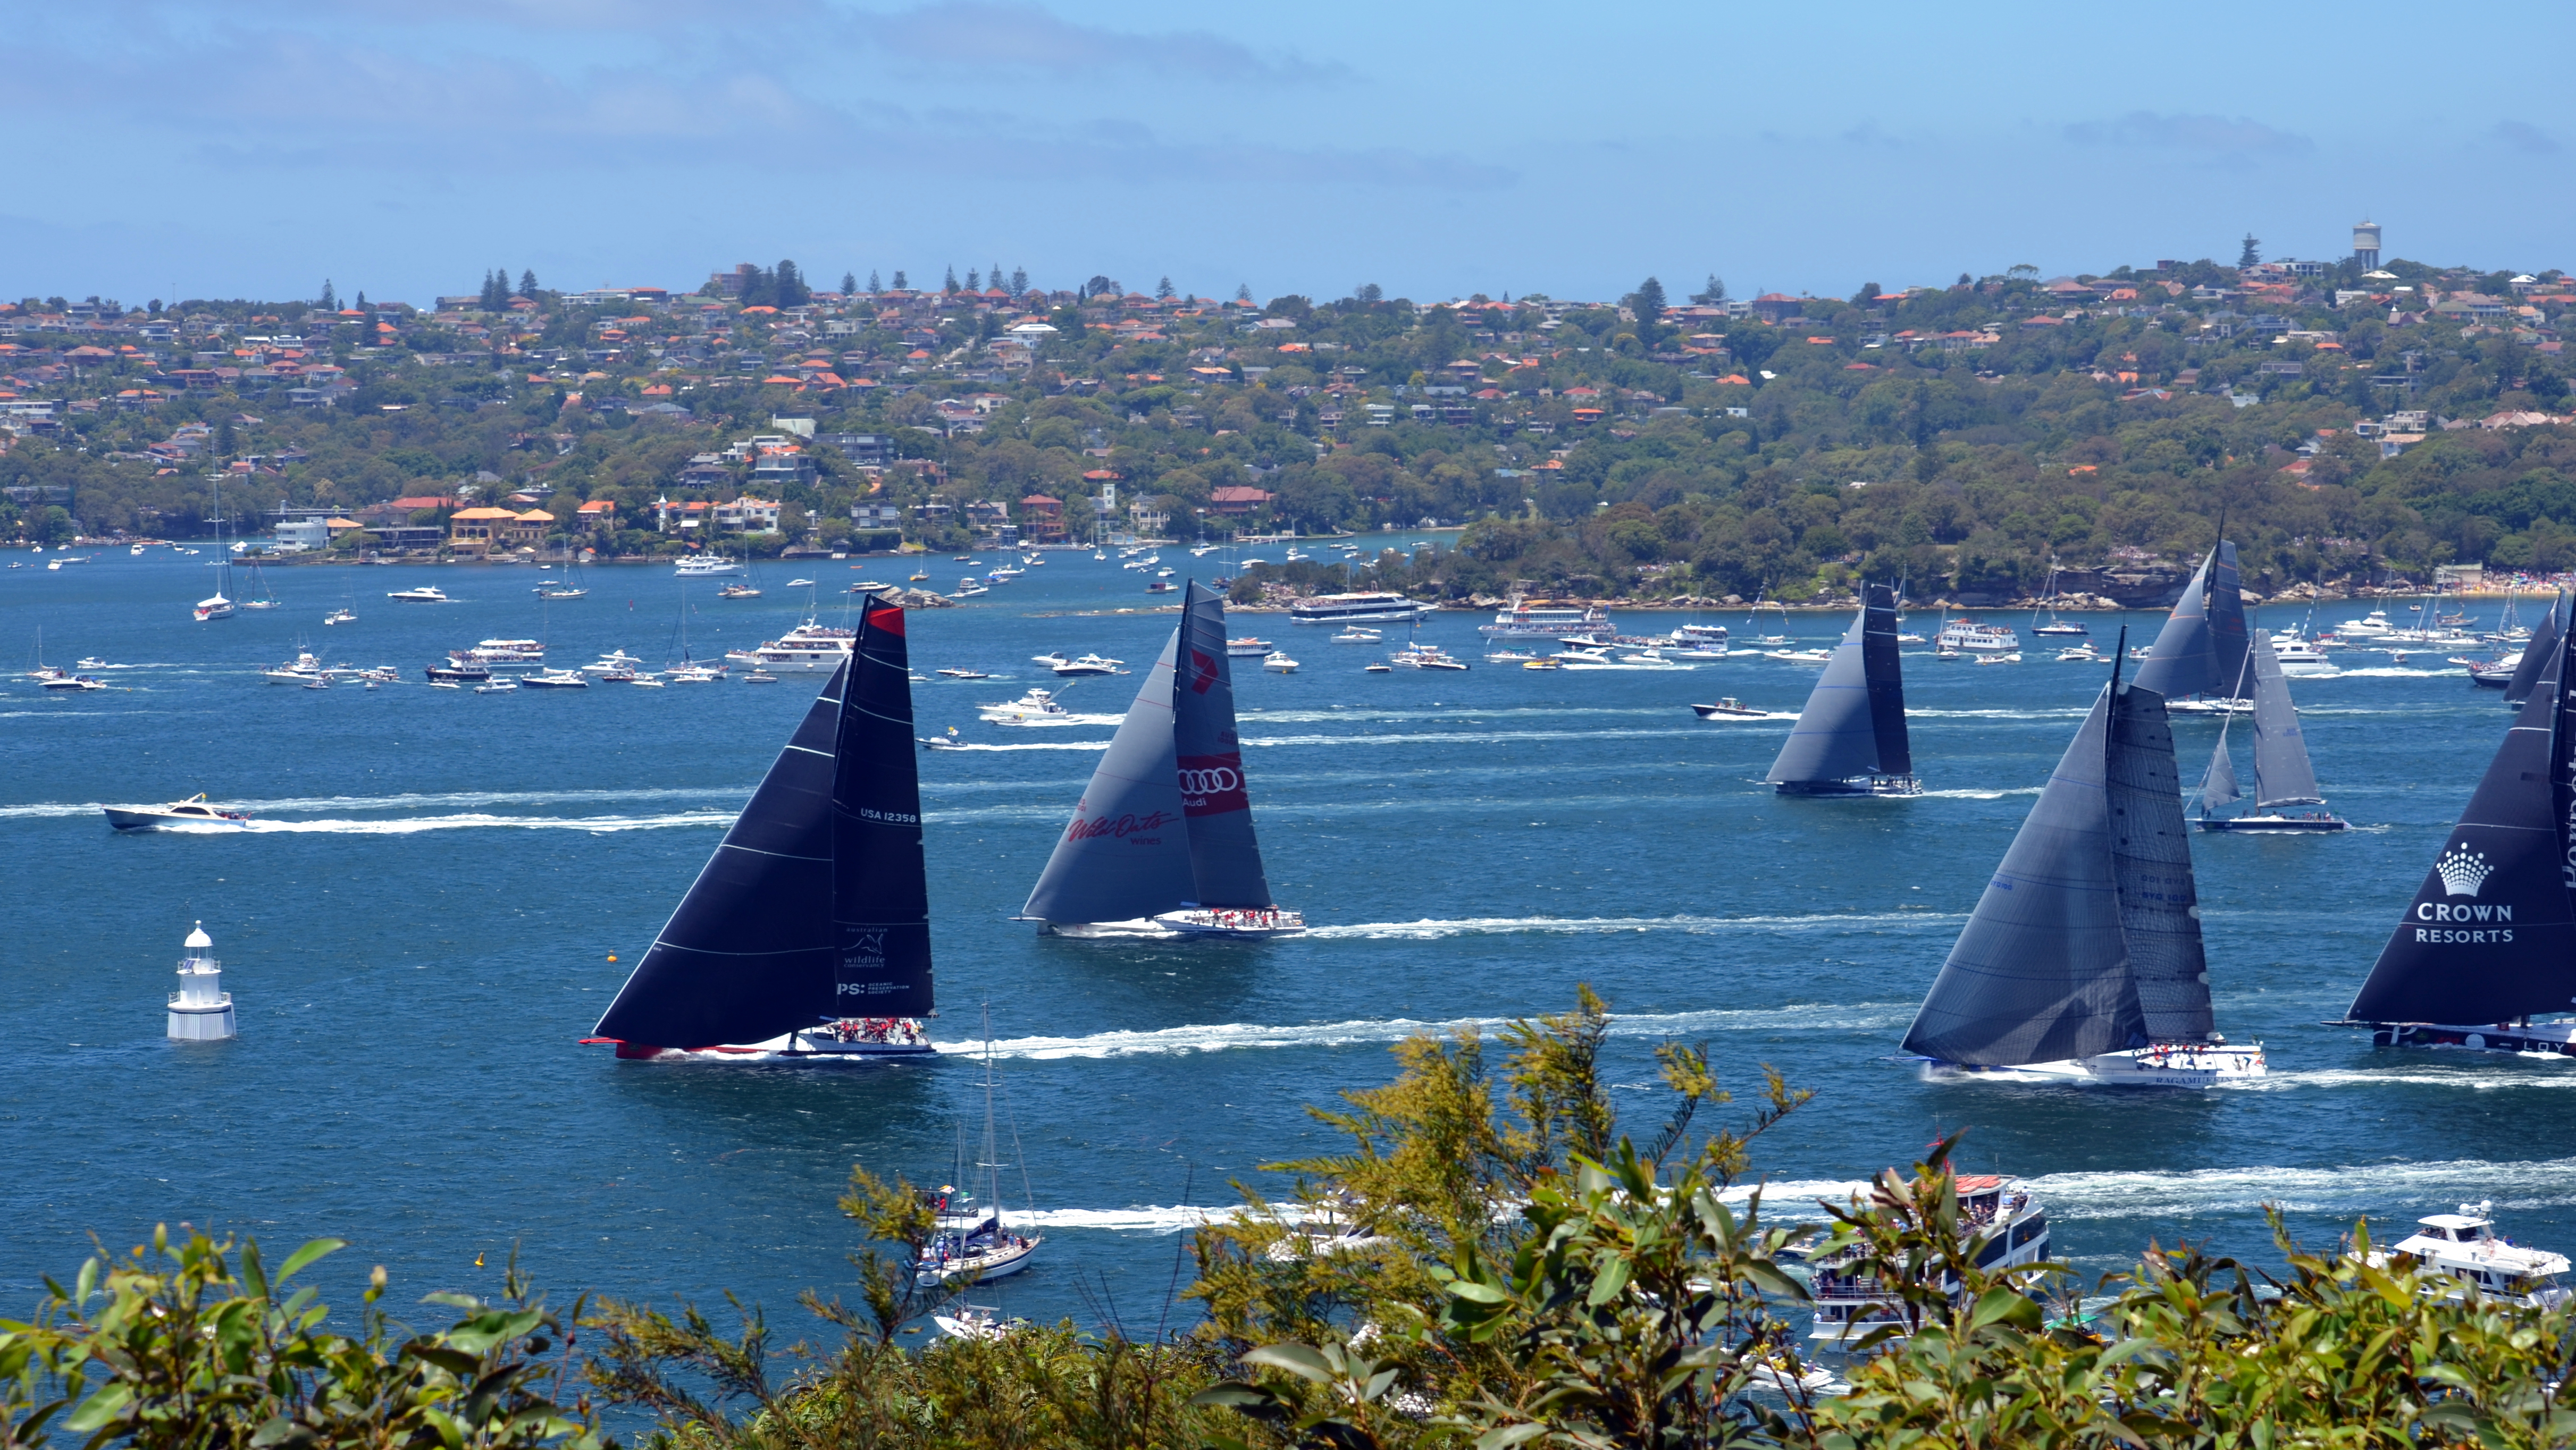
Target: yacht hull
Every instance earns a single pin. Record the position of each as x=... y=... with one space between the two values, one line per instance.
x=1883 y=785
x=2554 y=1039
x=2176 y=1065
x=2273 y=824
x=129 y=819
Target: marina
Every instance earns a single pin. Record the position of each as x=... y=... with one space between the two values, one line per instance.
x=1461 y=847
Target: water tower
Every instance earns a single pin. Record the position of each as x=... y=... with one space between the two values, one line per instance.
x=2365 y=245
x=201 y=1010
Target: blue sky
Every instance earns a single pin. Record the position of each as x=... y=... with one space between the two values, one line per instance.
x=253 y=147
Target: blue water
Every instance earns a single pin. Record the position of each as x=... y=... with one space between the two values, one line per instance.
x=424 y=924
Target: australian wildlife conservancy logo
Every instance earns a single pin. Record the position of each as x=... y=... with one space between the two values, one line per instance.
x=863 y=953
x=2463 y=871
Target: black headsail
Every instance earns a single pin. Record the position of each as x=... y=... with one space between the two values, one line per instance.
x=880 y=887
x=1854 y=722
x=755 y=948
x=2041 y=972
x=2537 y=651
x=2202 y=646
x=2151 y=865
x=2490 y=935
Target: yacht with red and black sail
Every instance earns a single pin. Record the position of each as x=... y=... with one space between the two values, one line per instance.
x=806 y=937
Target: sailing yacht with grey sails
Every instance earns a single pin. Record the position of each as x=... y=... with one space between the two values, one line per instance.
x=807 y=934
x=2200 y=652
x=1161 y=843
x=1850 y=740
x=2537 y=651
x=2283 y=775
x=2484 y=956
x=2083 y=961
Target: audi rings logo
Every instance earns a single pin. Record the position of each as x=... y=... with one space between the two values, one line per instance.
x=1217 y=780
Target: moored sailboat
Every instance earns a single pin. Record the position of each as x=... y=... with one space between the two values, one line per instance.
x=1850 y=739
x=2200 y=652
x=2540 y=649
x=1161 y=842
x=2082 y=962
x=2283 y=775
x=2488 y=944
x=807 y=934
x=974 y=1242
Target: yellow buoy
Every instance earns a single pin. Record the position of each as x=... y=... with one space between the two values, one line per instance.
x=612 y=956
x=478 y=1261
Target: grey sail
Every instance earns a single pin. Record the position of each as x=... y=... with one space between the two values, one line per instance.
x=1216 y=804
x=1856 y=711
x=2151 y=864
x=2282 y=773
x=881 y=883
x=1126 y=853
x=2537 y=651
x=2489 y=935
x=2040 y=973
x=2218 y=785
x=2201 y=649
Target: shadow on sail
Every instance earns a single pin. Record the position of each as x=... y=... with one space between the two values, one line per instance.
x=807 y=933
x=1161 y=843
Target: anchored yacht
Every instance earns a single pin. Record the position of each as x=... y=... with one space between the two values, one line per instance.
x=809 y=647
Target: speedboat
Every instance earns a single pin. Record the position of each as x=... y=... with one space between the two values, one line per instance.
x=2082 y=654
x=1728 y=705
x=1527 y=663
x=1278 y=663
x=737 y=591
x=1088 y=666
x=1354 y=634
x=75 y=682
x=304 y=669
x=760 y=677
x=425 y=594
x=615 y=662
x=958 y=674
x=969 y=589
x=1037 y=707
x=1424 y=657
x=808 y=583
x=703 y=566
x=341 y=616
x=496 y=687
x=194 y=811
x=1803 y=656
x=89 y=662
x=556 y=680
x=2012 y=658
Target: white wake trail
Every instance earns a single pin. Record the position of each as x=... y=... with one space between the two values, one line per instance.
x=1234 y=1036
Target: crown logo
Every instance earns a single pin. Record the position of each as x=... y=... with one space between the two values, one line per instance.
x=2462 y=871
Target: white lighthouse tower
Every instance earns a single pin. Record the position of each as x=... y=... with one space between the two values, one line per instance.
x=201 y=1010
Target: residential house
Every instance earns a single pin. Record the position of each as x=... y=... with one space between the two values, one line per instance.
x=478 y=529
x=1236 y=500
x=747 y=515
x=680 y=517
x=529 y=529
x=1042 y=519
x=599 y=515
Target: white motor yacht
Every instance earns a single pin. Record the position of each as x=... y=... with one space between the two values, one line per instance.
x=194 y=811
x=1998 y=1210
x=1248 y=647
x=304 y=669
x=1278 y=663
x=1088 y=666
x=2463 y=1247
x=615 y=662
x=1037 y=707
x=425 y=594
x=1355 y=634
x=705 y=566
x=809 y=648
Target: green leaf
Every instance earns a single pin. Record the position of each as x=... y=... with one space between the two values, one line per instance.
x=1503 y=1437
x=1297 y=1359
x=1612 y=1277
x=1236 y=1395
x=2004 y=1306
x=254 y=1277
x=1476 y=1292
x=312 y=1250
x=101 y=1408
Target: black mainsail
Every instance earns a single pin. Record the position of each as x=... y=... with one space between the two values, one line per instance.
x=1166 y=822
x=815 y=905
x=2087 y=938
x=2283 y=775
x=2201 y=649
x=2490 y=935
x=2537 y=651
x=1850 y=739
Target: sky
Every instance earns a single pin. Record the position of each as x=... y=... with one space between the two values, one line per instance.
x=253 y=148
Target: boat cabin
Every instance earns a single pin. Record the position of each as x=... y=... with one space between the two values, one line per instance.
x=2463 y=1247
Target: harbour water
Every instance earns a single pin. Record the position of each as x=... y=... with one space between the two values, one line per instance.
x=421 y=922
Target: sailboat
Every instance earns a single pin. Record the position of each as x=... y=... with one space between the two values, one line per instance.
x=2489 y=941
x=2055 y=625
x=2541 y=648
x=571 y=586
x=2082 y=962
x=973 y=1242
x=688 y=671
x=807 y=935
x=258 y=596
x=1161 y=842
x=2283 y=775
x=1850 y=740
x=2201 y=649
x=217 y=605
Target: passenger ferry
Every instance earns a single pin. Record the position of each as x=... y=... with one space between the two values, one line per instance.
x=809 y=647
x=502 y=653
x=1521 y=619
x=1356 y=609
x=1975 y=638
x=1850 y=1304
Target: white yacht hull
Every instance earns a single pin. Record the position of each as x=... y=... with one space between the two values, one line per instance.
x=1190 y=923
x=907 y=1040
x=999 y=1262
x=2175 y=1065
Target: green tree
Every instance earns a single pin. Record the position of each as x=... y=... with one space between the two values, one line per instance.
x=2250 y=252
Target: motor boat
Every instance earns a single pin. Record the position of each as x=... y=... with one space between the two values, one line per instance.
x=612 y=663
x=2082 y=654
x=1246 y=647
x=2012 y=658
x=74 y=683
x=1037 y=707
x=1088 y=666
x=1278 y=663
x=341 y=616
x=425 y=594
x=457 y=674
x=1728 y=706
x=496 y=687
x=737 y=591
x=194 y=811
x=556 y=680
x=2463 y=1249
x=1355 y=634
x=304 y=669
x=957 y=674
x=705 y=566
x=1424 y=657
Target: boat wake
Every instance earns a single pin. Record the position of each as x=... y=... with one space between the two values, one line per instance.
x=1227 y=1037
x=2483 y=1077
x=1912 y=714
x=1433 y=930
x=1981 y=795
x=1457 y=737
x=417 y=801
x=2383 y=672
x=597 y=825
